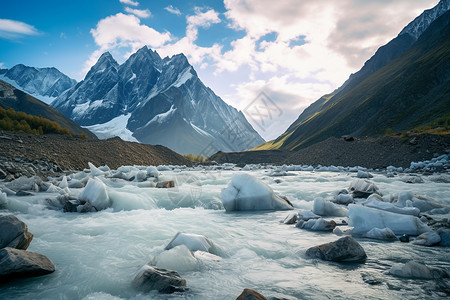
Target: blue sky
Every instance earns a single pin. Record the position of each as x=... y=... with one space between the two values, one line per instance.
x=293 y=50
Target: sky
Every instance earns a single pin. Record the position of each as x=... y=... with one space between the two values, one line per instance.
x=290 y=51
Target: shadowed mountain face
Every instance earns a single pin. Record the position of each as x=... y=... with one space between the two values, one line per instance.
x=10 y=97
x=43 y=83
x=404 y=85
x=156 y=101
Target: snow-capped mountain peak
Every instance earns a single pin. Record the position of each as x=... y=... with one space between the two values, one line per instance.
x=421 y=23
x=164 y=102
x=43 y=83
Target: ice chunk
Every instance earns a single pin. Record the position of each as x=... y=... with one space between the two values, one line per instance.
x=63 y=184
x=363 y=174
x=363 y=219
x=152 y=172
x=95 y=193
x=94 y=170
x=403 y=197
x=319 y=225
x=411 y=269
x=306 y=215
x=375 y=203
x=429 y=238
x=53 y=189
x=193 y=242
x=343 y=199
x=362 y=188
x=140 y=176
x=179 y=258
x=246 y=192
x=381 y=234
x=326 y=208
x=75 y=184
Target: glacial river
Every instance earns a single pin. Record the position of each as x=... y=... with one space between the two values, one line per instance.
x=98 y=254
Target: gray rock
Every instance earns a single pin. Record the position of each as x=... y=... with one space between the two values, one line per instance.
x=290 y=219
x=165 y=184
x=15 y=263
x=319 y=225
x=14 y=233
x=429 y=238
x=164 y=281
x=345 y=249
x=249 y=294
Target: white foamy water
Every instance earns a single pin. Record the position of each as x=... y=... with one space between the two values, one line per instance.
x=98 y=254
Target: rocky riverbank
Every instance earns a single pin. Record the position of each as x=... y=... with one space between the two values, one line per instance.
x=48 y=155
x=375 y=153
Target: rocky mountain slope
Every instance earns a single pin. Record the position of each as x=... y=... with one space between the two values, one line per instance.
x=366 y=104
x=23 y=154
x=156 y=101
x=43 y=83
x=10 y=97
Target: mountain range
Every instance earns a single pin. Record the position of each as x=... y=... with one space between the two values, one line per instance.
x=146 y=99
x=404 y=85
x=156 y=101
x=43 y=83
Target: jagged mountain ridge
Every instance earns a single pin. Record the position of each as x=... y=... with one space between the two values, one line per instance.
x=385 y=55
x=43 y=83
x=156 y=101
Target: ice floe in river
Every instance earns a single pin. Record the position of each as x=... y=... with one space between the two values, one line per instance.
x=218 y=228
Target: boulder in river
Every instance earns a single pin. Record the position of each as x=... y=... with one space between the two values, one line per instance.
x=164 y=281
x=319 y=225
x=15 y=263
x=165 y=184
x=249 y=294
x=14 y=233
x=345 y=249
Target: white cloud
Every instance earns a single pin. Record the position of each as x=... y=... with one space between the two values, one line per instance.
x=186 y=45
x=11 y=29
x=2 y=65
x=339 y=37
x=141 y=13
x=129 y=2
x=200 y=19
x=122 y=31
x=173 y=10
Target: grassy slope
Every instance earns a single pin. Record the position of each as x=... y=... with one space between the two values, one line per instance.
x=30 y=105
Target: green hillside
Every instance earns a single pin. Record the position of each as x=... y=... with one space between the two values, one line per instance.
x=19 y=101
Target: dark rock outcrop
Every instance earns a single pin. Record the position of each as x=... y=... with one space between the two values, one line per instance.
x=346 y=249
x=14 y=233
x=249 y=294
x=164 y=281
x=16 y=263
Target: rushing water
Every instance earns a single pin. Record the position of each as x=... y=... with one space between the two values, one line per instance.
x=98 y=254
